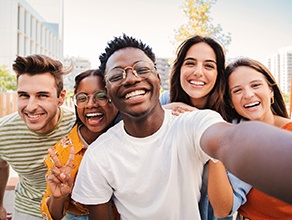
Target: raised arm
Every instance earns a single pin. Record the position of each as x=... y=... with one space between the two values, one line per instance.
x=258 y=153
x=4 y=174
x=59 y=185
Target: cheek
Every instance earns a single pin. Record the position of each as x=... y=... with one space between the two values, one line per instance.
x=111 y=111
x=21 y=103
x=212 y=76
x=80 y=114
x=235 y=102
x=184 y=73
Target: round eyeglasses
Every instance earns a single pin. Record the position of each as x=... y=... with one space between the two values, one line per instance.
x=81 y=99
x=140 y=69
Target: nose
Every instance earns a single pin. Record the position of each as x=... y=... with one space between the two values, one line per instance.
x=32 y=104
x=198 y=70
x=131 y=76
x=91 y=102
x=248 y=93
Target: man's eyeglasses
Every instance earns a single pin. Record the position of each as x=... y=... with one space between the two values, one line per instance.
x=81 y=99
x=140 y=69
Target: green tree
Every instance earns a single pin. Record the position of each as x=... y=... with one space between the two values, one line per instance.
x=199 y=22
x=7 y=81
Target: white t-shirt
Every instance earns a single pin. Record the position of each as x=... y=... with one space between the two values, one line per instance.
x=157 y=177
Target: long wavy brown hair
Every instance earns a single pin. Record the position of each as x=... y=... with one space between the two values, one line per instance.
x=215 y=98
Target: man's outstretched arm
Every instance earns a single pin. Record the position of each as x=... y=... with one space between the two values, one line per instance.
x=257 y=153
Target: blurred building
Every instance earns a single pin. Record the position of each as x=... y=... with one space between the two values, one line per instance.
x=30 y=26
x=280 y=64
x=80 y=65
x=163 y=68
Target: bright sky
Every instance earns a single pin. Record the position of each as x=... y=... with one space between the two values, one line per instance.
x=258 y=27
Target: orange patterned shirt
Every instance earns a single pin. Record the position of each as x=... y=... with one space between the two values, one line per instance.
x=62 y=149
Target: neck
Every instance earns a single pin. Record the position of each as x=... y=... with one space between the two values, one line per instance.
x=88 y=135
x=146 y=125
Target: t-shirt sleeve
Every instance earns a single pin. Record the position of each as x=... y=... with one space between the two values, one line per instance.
x=91 y=186
x=200 y=121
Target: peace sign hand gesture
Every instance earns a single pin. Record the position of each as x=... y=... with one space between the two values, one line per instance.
x=59 y=179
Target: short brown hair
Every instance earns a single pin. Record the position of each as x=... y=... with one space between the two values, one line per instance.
x=38 y=64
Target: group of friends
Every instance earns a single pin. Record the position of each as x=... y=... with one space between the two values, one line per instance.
x=215 y=145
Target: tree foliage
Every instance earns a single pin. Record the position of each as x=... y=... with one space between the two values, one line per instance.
x=7 y=81
x=199 y=22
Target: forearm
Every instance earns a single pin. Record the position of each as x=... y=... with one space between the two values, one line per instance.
x=56 y=206
x=220 y=191
x=257 y=153
x=4 y=173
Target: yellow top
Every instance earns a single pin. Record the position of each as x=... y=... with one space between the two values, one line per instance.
x=62 y=150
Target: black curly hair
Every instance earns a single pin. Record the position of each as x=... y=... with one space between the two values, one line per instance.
x=121 y=42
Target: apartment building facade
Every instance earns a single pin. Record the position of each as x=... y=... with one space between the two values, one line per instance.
x=30 y=26
x=280 y=64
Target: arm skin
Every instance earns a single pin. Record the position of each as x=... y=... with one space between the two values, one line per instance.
x=257 y=153
x=220 y=191
x=100 y=212
x=4 y=174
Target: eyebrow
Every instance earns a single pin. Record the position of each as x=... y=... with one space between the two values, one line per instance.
x=253 y=81
x=38 y=93
x=234 y=87
x=193 y=59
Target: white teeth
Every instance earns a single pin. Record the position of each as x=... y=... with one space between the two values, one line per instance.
x=251 y=104
x=33 y=116
x=197 y=83
x=135 y=93
x=93 y=114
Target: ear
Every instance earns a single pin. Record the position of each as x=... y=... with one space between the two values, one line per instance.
x=158 y=76
x=107 y=94
x=272 y=92
x=62 y=97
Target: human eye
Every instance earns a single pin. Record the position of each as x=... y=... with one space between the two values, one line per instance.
x=116 y=75
x=189 y=63
x=210 y=65
x=81 y=98
x=236 y=91
x=43 y=95
x=142 y=70
x=256 y=85
x=99 y=96
x=22 y=95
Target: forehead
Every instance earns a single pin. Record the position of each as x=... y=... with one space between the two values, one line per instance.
x=126 y=57
x=201 y=50
x=245 y=74
x=91 y=83
x=36 y=83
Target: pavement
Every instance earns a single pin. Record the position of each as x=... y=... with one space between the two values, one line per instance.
x=9 y=193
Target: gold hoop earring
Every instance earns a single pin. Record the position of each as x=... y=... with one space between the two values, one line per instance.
x=272 y=100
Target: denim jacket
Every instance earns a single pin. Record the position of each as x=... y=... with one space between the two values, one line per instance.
x=240 y=190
